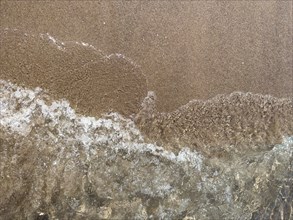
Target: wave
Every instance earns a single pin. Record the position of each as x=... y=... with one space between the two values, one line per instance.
x=238 y=122
x=23 y=109
x=60 y=164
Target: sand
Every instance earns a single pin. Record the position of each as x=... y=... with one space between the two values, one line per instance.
x=185 y=50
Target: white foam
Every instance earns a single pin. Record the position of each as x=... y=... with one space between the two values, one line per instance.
x=112 y=130
x=59 y=44
x=121 y=56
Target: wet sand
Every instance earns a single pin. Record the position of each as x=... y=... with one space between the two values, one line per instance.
x=92 y=81
x=185 y=50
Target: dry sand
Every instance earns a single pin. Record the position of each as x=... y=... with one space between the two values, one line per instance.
x=186 y=50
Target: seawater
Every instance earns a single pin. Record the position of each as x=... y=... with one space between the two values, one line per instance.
x=51 y=147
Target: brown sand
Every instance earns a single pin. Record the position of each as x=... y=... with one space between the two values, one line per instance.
x=91 y=81
x=187 y=50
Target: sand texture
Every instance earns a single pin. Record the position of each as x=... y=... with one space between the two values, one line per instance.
x=92 y=81
x=187 y=50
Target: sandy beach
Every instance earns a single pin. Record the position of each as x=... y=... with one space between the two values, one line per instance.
x=185 y=50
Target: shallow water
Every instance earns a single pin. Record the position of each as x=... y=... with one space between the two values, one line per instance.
x=53 y=159
x=236 y=123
